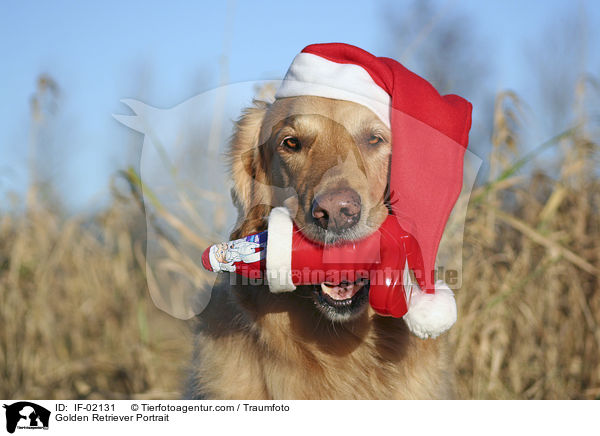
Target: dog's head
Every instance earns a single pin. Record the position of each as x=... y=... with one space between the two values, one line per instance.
x=326 y=160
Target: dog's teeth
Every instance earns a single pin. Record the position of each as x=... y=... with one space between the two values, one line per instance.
x=340 y=292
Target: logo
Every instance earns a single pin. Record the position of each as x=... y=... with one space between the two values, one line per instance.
x=26 y=415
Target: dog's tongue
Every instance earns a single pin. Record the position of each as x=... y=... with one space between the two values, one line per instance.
x=342 y=291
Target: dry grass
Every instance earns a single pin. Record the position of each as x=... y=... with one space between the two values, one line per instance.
x=76 y=320
x=530 y=304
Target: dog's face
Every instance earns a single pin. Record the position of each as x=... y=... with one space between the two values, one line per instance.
x=326 y=160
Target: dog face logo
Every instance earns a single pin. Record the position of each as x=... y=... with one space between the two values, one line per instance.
x=26 y=415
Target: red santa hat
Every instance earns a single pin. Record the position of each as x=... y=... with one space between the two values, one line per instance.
x=430 y=133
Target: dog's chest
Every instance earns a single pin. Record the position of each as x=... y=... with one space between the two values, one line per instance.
x=309 y=372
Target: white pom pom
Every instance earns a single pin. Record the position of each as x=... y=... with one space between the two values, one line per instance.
x=430 y=315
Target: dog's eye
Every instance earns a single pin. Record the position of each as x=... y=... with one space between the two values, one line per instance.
x=291 y=143
x=375 y=140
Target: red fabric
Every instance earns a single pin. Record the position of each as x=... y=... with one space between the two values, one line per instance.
x=429 y=134
x=450 y=114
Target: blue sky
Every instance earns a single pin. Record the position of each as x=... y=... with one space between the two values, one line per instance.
x=166 y=52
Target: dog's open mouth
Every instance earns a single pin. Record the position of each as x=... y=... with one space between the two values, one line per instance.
x=342 y=301
x=340 y=295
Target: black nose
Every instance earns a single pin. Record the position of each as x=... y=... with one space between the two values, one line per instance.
x=337 y=210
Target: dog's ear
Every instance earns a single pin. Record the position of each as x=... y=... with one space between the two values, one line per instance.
x=251 y=191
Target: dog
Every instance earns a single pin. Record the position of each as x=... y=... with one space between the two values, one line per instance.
x=334 y=156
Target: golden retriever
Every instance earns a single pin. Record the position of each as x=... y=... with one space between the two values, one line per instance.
x=327 y=161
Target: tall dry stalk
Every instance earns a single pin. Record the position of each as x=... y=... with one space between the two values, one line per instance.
x=530 y=305
x=76 y=319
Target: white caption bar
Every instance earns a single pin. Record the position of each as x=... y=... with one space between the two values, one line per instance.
x=23 y=417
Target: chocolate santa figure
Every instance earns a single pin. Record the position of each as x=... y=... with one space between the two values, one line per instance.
x=227 y=256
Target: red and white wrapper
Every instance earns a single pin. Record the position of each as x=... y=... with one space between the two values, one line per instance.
x=389 y=258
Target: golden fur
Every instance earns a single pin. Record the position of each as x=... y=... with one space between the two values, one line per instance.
x=253 y=344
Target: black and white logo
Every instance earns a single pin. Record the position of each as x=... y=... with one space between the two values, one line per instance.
x=26 y=415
